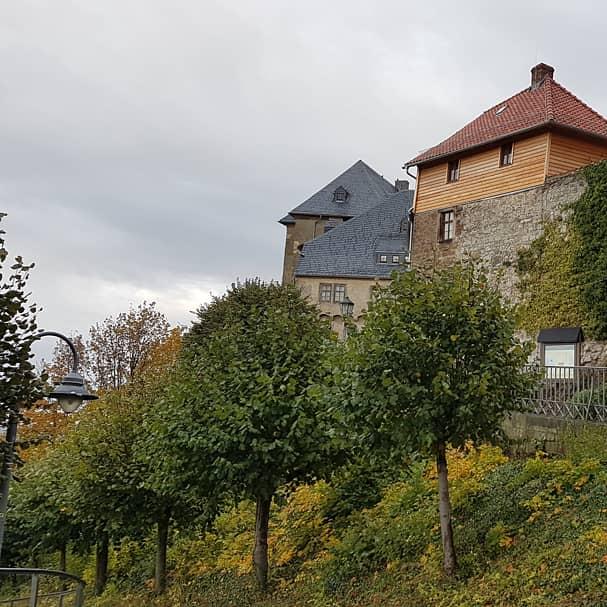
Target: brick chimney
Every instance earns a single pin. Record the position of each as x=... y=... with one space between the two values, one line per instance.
x=401 y=184
x=539 y=72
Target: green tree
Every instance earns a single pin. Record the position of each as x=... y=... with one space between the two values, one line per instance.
x=40 y=514
x=245 y=416
x=166 y=503
x=19 y=384
x=436 y=363
x=112 y=494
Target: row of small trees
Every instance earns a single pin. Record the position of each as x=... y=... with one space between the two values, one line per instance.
x=258 y=394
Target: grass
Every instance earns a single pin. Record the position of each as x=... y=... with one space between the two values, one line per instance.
x=529 y=534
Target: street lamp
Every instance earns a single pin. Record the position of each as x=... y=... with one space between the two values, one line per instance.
x=347 y=307
x=70 y=394
x=347 y=311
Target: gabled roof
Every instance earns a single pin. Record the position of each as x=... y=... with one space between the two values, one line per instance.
x=351 y=249
x=365 y=189
x=547 y=104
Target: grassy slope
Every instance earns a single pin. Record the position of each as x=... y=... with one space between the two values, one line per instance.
x=529 y=534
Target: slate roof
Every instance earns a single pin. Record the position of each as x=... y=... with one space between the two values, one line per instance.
x=549 y=104
x=365 y=187
x=351 y=249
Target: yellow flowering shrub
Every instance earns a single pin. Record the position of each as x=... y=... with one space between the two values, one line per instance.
x=468 y=467
x=299 y=529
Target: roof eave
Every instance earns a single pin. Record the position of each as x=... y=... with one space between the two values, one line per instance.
x=478 y=146
x=338 y=275
x=557 y=126
x=307 y=214
x=544 y=126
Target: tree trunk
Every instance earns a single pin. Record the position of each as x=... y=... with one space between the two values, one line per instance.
x=160 y=572
x=260 y=554
x=7 y=471
x=101 y=564
x=63 y=558
x=63 y=564
x=444 y=507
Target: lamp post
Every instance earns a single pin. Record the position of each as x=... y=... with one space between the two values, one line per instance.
x=347 y=311
x=70 y=394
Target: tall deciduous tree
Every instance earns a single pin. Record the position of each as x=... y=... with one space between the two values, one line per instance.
x=436 y=363
x=166 y=502
x=108 y=476
x=245 y=417
x=62 y=361
x=117 y=346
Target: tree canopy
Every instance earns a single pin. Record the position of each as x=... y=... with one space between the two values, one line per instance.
x=245 y=417
x=20 y=385
x=436 y=362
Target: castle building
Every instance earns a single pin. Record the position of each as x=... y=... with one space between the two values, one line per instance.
x=345 y=239
x=486 y=191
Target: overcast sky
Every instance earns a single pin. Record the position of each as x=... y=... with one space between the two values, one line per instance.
x=148 y=147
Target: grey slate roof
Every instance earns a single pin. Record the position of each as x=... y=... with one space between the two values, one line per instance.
x=352 y=248
x=365 y=188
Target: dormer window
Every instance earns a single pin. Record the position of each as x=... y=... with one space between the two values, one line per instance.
x=340 y=194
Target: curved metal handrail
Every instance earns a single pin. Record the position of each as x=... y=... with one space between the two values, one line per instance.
x=35 y=575
x=30 y=571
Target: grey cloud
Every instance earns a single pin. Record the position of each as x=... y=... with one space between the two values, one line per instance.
x=147 y=148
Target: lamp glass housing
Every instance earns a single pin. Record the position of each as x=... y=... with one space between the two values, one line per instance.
x=69 y=403
x=71 y=392
x=347 y=307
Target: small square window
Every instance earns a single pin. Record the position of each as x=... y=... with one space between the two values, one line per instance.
x=453 y=171
x=339 y=293
x=395 y=258
x=447 y=226
x=326 y=291
x=383 y=259
x=506 y=155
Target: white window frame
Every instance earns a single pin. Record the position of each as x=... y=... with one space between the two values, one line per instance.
x=343 y=292
x=324 y=291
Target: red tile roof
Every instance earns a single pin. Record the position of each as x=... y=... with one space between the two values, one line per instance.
x=548 y=104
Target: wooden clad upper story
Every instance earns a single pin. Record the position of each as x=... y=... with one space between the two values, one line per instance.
x=567 y=153
x=484 y=174
x=542 y=131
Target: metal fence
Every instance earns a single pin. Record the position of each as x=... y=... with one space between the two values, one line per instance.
x=41 y=588
x=571 y=393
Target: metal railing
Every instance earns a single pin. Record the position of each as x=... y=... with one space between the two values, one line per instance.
x=577 y=393
x=70 y=591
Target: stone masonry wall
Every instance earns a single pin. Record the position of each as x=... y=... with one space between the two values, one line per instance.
x=493 y=231
x=298 y=233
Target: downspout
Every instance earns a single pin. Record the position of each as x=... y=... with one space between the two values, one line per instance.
x=411 y=214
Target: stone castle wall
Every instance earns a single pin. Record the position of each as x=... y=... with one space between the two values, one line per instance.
x=493 y=231
x=298 y=233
